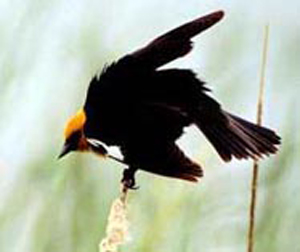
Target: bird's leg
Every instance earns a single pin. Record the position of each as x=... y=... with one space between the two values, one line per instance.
x=128 y=179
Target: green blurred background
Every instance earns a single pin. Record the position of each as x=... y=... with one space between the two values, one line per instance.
x=49 y=50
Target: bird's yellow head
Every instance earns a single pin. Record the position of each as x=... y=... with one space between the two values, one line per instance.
x=75 y=139
x=73 y=134
x=75 y=123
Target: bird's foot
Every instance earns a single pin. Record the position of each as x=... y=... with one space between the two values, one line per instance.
x=128 y=179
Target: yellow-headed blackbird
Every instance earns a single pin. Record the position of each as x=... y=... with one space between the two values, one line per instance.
x=143 y=110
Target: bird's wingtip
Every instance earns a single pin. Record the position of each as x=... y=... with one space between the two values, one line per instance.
x=219 y=14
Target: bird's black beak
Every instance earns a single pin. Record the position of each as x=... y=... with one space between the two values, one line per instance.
x=65 y=150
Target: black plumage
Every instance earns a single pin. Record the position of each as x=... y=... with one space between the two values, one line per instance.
x=143 y=110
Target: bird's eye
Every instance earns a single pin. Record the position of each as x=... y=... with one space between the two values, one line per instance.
x=74 y=138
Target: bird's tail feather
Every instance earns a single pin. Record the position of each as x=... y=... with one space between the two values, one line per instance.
x=236 y=137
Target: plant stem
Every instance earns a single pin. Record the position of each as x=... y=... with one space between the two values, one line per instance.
x=254 y=183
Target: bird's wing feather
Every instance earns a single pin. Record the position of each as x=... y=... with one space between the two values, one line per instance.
x=175 y=43
x=162 y=158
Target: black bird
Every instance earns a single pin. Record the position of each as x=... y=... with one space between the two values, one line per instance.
x=143 y=110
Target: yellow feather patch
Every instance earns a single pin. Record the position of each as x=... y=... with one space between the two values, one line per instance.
x=75 y=123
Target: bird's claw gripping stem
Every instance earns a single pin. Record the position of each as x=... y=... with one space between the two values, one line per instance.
x=128 y=179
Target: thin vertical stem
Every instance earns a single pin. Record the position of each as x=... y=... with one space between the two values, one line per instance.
x=254 y=183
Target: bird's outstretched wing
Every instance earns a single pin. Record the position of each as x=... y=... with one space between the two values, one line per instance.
x=162 y=158
x=175 y=43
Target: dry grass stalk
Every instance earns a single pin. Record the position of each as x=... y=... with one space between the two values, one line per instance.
x=254 y=183
x=117 y=226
